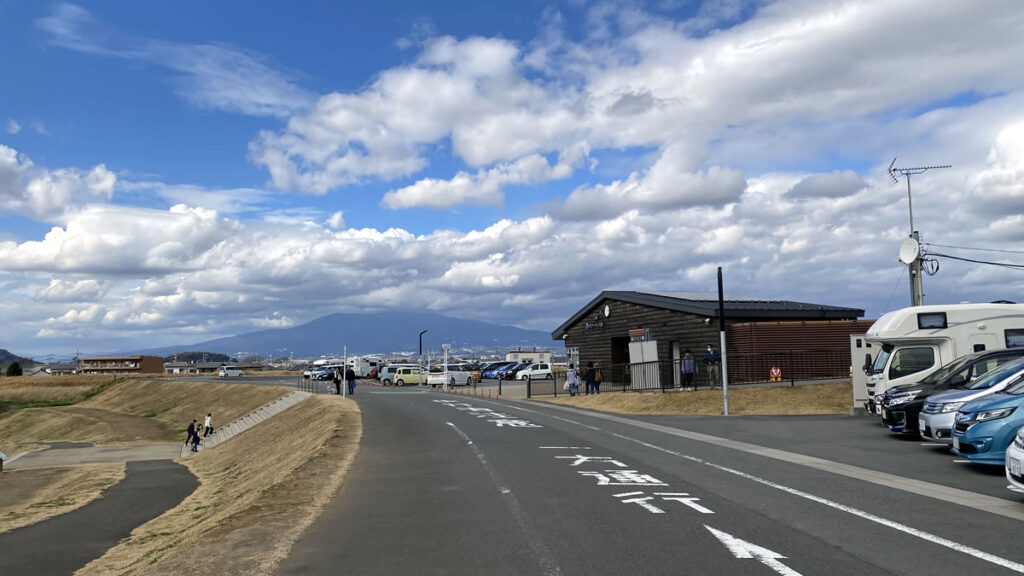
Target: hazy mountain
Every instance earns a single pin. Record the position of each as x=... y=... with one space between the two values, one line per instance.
x=385 y=333
x=7 y=357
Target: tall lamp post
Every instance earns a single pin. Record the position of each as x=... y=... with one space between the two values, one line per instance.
x=422 y=332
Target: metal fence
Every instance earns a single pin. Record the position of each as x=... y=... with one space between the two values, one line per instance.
x=743 y=369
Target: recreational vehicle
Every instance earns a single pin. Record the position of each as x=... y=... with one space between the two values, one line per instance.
x=911 y=343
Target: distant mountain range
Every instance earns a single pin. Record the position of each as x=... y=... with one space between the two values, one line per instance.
x=6 y=358
x=386 y=333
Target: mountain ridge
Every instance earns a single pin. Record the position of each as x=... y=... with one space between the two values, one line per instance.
x=371 y=333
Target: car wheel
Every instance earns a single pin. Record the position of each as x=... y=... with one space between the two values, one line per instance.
x=549 y=377
x=387 y=382
x=399 y=382
x=526 y=377
x=452 y=384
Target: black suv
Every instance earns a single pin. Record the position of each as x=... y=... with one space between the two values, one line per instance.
x=901 y=405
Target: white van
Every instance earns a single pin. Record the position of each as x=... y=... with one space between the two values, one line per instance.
x=229 y=372
x=911 y=343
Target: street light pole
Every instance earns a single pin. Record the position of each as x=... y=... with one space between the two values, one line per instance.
x=420 y=358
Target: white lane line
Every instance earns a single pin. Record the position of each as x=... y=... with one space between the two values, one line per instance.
x=962 y=461
x=564 y=447
x=540 y=550
x=981 y=555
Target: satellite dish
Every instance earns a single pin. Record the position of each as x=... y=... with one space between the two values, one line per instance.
x=909 y=250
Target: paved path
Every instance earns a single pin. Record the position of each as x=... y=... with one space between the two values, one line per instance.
x=464 y=485
x=58 y=456
x=65 y=543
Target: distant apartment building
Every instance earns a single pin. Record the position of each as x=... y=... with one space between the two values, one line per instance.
x=528 y=356
x=121 y=365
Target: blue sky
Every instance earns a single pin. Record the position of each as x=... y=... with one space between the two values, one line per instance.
x=171 y=173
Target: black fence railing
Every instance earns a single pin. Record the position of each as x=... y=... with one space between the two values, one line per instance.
x=790 y=367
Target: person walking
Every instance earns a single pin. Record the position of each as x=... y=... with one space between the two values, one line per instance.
x=573 y=380
x=208 y=425
x=337 y=380
x=712 y=360
x=688 y=366
x=588 y=378
x=350 y=379
x=597 y=379
x=193 y=434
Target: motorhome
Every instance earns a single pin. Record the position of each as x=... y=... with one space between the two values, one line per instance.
x=911 y=343
x=364 y=365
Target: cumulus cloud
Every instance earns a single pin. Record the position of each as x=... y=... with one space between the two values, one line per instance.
x=46 y=194
x=833 y=185
x=337 y=220
x=485 y=187
x=211 y=76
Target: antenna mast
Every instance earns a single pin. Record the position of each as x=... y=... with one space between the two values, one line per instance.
x=916 y=290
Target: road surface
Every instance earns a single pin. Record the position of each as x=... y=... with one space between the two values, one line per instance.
x=459 y=485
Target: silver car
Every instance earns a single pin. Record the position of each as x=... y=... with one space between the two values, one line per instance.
x=939 y=413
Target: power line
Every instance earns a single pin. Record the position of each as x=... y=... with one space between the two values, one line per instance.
x=1003 y=264
x=977 y=249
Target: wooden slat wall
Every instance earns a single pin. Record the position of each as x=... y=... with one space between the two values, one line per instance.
x=758 y=337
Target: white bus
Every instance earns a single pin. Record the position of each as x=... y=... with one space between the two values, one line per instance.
x=911 y=343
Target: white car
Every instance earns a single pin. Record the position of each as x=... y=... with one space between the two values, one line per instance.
x=457 y=374
x=1015 y=462
x=540 y=371
x=229 y=372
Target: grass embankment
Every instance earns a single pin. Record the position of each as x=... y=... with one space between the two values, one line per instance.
x=827 y=398
x=98 y=410
x=124 y=412
x=258 y=492
x=30 y=496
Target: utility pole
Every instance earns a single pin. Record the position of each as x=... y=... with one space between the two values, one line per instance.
x=912 y=257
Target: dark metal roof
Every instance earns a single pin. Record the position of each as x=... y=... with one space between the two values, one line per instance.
x=706 y=304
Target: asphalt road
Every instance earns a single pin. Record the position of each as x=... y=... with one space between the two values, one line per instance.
x=454 y=485
x=65 y=543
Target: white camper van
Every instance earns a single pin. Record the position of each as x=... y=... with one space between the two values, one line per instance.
x=364 y=365
x=911 y=343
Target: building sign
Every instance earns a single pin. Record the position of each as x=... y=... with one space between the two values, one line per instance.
x=597 y=322
x=640 y=335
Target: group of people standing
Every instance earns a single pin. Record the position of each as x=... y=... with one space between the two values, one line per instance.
x=195 y=429
x=591 y=376
x=350 y=380
x=712 y=365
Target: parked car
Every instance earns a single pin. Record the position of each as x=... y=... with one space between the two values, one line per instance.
x=538 y=371
x=323 y=373
x=492 y=372
x=229 y=372
x=456 y=374
x=387 y=373
x=410 y=375
x=1015 y=462
x=508 y=371
x=939 y=412
x=985 y=428
x=901 y=405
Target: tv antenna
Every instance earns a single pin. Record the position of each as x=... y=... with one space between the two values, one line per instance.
x=910 y=253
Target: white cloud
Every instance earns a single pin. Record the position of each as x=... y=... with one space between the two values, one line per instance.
x=834 y=185
x=211 y=75
x=337 y=220
x=12 y=126
x=48 y=194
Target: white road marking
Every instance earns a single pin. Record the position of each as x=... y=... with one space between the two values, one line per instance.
x=744 y=549
x=540 y=550
x=981 y=555
x=962 y=461
x=564 y=447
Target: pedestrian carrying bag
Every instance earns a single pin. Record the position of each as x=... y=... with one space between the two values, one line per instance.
x=565 y=386
x=597 y=377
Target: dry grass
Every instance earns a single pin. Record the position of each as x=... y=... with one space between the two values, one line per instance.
x=49 y=388
x=133 y=411
x=30 y=496
x=176 y=402
x=829 y=398
x=258 y=492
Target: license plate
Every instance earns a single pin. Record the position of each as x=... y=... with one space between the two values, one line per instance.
x=1015 y=467
x=956 y=443
x=920 y=424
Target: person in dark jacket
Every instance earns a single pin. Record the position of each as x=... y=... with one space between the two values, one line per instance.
x=713 y=359
x=193 y=435
x=590 y=378
x=350 y=379
x=337 y=381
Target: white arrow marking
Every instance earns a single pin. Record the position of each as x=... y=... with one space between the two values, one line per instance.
x=744 y=549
